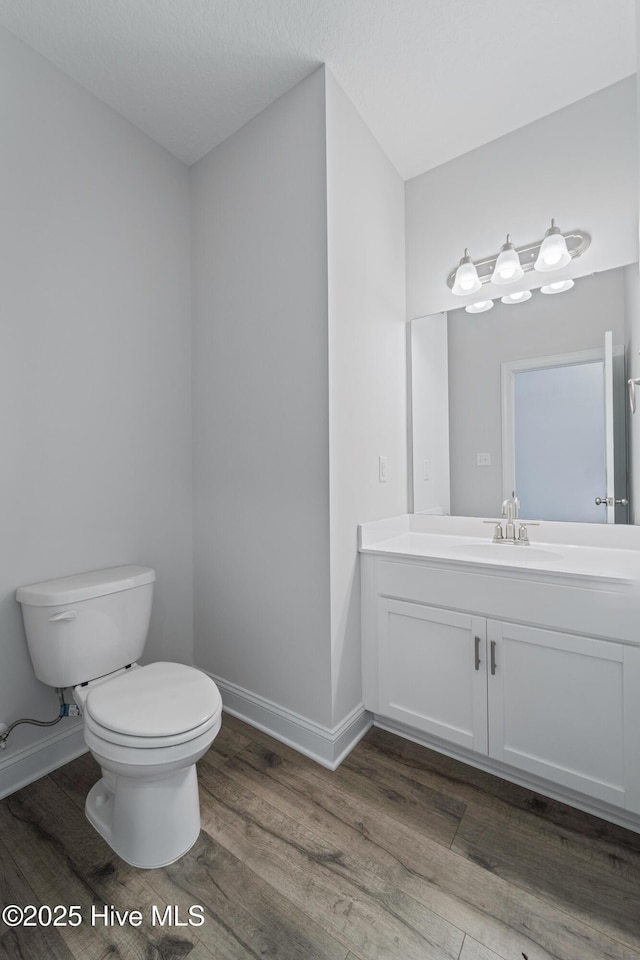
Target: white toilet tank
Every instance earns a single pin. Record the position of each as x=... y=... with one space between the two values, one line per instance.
x=82 y=627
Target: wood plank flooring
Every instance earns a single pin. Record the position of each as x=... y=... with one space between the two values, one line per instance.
x=401 y=854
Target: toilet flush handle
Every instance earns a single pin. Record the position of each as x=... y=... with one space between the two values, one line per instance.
x=65 y=615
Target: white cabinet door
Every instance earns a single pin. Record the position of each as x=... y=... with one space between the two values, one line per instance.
x=432 y=671
x=558 y=708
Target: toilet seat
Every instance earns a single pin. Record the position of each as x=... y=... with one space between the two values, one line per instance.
x=148 y=743
x=155 y=706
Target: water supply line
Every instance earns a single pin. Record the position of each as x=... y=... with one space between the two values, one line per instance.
x=65 y=710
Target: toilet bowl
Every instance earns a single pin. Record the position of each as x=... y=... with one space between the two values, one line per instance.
x=145 y=725
x=147 y=739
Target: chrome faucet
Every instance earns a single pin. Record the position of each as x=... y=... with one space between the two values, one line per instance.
x=511 y=533
x=510 y=508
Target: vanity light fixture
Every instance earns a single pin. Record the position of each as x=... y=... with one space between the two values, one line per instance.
x=480 y=307
x=559 y=287
x=553 y=252
x=508 y=268
x=517 y=297
x=466 y=277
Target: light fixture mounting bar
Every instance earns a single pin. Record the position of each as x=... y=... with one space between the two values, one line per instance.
x=577 y=242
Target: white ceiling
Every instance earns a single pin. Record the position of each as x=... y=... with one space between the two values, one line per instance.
x=431 y=78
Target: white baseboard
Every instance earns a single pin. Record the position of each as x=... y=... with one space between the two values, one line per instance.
x=598 y=808
x=19 y=768
x=327 y=746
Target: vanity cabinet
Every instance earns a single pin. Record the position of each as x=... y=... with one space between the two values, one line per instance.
x=431 y=671
x=557 y=709
x=554 y=710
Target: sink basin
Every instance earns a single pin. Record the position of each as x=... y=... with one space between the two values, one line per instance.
x=505 y=553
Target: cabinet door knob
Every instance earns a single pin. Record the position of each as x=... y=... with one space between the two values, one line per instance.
x=493 y=658
x=477 y=645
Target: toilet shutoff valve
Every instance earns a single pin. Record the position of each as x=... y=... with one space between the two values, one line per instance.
x=70 y=710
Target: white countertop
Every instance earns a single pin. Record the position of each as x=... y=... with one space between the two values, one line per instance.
x=613 y=557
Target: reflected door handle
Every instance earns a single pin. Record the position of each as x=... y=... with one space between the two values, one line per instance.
x=610 y=502
x=632 y=384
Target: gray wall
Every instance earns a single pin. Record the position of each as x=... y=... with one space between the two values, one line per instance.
x=578 y=165
x=95 y=361
x=299 y=387
x=632 y=337
x=298 y=364
x=633 y=328
x=430 y=414
x=367 y=365
x=479 y=343
x=261 y=423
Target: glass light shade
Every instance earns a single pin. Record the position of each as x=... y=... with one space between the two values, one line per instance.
x=480 y=307
x=517 y=297
x=553 y=254
x=466 y=279
x=508 y=268
x=558 y=287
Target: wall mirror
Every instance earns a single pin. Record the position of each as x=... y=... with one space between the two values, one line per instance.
x=525 y=399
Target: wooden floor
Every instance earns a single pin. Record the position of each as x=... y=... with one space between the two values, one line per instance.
x=401 y=854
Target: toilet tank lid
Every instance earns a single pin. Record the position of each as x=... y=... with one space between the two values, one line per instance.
x=84 y=586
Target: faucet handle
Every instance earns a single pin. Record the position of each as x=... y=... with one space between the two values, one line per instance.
x=497 y=533
x=523 y=536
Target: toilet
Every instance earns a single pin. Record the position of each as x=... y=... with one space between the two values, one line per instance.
x=145 y=725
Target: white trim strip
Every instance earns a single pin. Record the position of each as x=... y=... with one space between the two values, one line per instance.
x=592 y=805
x=327 y=746
x=24 y=766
